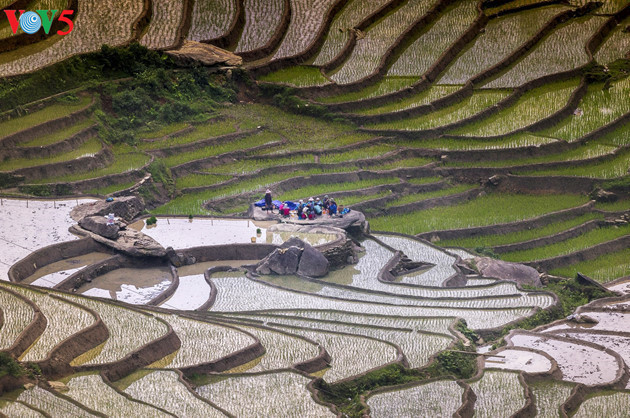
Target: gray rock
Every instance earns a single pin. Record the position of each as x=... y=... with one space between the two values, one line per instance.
x=126 y=207
x=98 y=225
x=312 y=263
x=281 y=261
x=503 y=270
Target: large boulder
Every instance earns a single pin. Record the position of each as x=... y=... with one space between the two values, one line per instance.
x=294 y=257
x=98 y=225
x=312 y=263
x=126 y=207
x=503 y=270
x=281 y=261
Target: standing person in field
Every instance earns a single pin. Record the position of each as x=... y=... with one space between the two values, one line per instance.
x=268 y=201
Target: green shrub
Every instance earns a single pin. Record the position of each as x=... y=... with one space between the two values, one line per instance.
x=152 y=220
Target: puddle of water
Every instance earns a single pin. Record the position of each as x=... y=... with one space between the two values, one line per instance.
x=137 y=286
x=55 y=273
x=181 y=233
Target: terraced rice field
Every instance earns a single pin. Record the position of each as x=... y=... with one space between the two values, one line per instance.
x=441 y=398
x=98 y=23
x=414 y=153
x=501 y=37
x=420 y=55
x=306 y=19
x=493 y=384
x=366 y=55
x=211 y=19
x=562 y=50
x=164 y=36
x=339 y=34
x=261 y=19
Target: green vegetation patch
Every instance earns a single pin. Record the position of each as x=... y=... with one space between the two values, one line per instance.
x=601 y=105
x=384 y=86
x=300 y=76
x=123 y=162
x=534 y=105
x=479 y=101
x=486 y=241
x=586 y=240
x=490 y=209
x=58 y=136
x=406 y=162
x=54 y=111
x=417 y=197
x=111 y=188
x=603 y=269
x=513 y=141
x=89 y=148
x=201 y=132
x=213 y=150
x=422 y=98
x=609 y=169
x=586 y=151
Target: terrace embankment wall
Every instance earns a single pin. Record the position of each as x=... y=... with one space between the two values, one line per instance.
x=329 y=180
x=275 y=40
x=508 y=227
x=461 y=94
x=51 y=254
x=66 y=145
x=81 y=186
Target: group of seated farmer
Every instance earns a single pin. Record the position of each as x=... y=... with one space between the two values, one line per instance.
x=305 y=210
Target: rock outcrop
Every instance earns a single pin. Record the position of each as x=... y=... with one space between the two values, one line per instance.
x=294 y=257
x=194 y=53
x=98 y=225
x=503 y=270
x=127 y=208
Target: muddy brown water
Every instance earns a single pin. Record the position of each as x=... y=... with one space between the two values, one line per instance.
x=140 y=278
x=67 y=264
